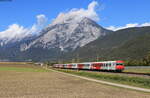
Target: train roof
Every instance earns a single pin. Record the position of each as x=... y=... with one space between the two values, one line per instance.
x=118 y=61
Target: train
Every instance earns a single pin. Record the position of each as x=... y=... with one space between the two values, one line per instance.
x=117 y=66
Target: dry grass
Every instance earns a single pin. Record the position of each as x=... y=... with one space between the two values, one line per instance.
x=18 y=64
x=15 y=84
x=14 y=63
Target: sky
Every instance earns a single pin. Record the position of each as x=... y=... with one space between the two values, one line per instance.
x=21 y=16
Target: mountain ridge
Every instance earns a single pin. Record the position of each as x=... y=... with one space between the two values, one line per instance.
x=68 y=35
x=56 y=39
x=83 y=39
x=118 y=45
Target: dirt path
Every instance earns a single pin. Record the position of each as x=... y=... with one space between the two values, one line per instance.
x=55 y=85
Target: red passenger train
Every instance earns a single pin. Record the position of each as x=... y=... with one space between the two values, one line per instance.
x=104 y=65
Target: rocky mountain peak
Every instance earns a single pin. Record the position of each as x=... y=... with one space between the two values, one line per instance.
x=68 y=35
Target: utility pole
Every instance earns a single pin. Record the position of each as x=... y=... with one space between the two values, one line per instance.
x=59 y=61
x=73 y=60
x=77 y=56
x=97 y=57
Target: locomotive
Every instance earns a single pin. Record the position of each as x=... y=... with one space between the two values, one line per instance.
x=103 y=65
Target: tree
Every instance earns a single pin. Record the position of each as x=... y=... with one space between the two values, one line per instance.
x=148 y=59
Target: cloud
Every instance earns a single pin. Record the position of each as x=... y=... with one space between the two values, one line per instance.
x=115 y=28
x=146 y=24
x=13 y=31
x=16 y=31
x=78 y=14
x=41 y=23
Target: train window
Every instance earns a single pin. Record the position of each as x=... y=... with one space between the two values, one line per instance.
x=104 y=64
x=109 y=64
x=86 y=64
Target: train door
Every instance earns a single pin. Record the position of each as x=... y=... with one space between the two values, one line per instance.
x=86 y=66
x=104 y=66
x=113 y=65
x=74 y=66
x=65 y=65
x=108 y=66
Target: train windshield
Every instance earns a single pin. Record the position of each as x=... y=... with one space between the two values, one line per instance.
x=119 y=64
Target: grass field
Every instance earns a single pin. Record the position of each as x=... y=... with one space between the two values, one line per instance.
x=15 y=63
x=23 y=69
x=28 y=81
x=20 y=67
x=143 y=82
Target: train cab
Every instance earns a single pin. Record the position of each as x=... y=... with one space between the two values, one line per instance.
x=119 y=65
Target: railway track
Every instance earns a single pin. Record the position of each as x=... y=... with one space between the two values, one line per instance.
x=134 y=73
x=127 y=73
x=113 y=72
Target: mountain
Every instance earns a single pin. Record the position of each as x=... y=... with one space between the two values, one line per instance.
x=77 y=37
x=68 y=35
x=130 y=43
x=58 y=38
